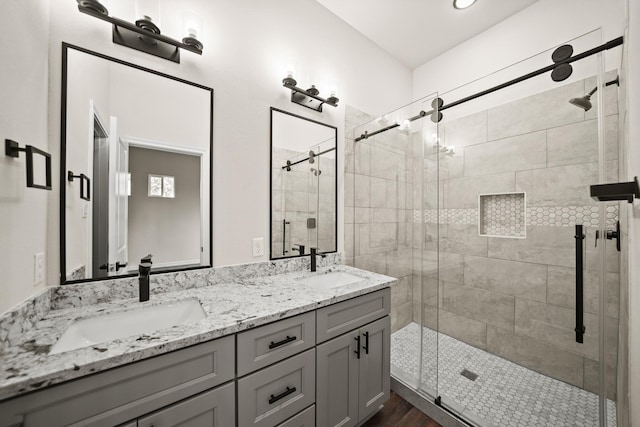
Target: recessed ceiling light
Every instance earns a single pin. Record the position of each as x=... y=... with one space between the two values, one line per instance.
x=463 y=4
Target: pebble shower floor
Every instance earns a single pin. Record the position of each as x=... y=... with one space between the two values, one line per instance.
x=504 y=394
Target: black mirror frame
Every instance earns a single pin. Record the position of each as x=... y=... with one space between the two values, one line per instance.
x=63 y=164
x=335 y=129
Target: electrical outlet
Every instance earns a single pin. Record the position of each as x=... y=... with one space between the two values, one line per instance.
x=258 y=246
x=38 y=268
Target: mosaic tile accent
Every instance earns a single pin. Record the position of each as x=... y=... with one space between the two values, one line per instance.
x=504 y=394
x=549 y=216
x=448 y=216
x=502 y=215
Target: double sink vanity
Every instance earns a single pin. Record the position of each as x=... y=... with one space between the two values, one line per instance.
x=264 y=344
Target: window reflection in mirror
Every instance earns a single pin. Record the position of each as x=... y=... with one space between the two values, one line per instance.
x=303 y=185
x=133 y=132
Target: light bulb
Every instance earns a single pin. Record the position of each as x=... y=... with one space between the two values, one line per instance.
x=192 y=24
x=462 y=4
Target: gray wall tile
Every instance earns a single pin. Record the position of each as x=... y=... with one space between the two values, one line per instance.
x=461 y=238
x=485 y=306
x=556 y=326
x=465 y=131
x=536 y=112
x=578 y=142
x=543 y=245
x=517 y=153
x=518 y=279
x=534 y=354
x=561 y=289
x=463 y=193
x=468 y=330
x=558 y=186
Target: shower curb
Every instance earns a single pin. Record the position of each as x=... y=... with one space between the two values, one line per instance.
x=425 y=406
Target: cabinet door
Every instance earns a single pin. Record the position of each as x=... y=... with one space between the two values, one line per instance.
x=337 y=382
x=215 y=408
x=375 y=379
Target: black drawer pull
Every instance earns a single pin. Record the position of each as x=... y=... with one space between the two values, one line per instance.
x=366 y=342
x=284 y=394
x=287 y=340
x=357 y=350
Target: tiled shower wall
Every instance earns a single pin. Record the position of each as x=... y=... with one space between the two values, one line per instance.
x=298 y=195
x=515 y=297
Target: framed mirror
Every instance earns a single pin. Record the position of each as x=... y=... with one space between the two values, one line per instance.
x=136 y=159
x=304 y=186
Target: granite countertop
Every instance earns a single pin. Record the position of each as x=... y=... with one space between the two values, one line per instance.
x=26 y=364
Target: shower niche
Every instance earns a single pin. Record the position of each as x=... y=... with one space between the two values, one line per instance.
x=502 y=215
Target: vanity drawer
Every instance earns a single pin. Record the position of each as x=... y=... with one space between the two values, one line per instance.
x=337 y=319
x=214 y=408
x=306 y=418
x=270 y=396
x=268 y=344
x=122 y=394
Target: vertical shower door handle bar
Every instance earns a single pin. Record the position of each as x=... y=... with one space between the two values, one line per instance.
x=580 y=329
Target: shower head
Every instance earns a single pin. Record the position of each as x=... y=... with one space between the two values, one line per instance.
x=584 y=102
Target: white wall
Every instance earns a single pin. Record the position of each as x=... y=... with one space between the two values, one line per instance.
x=633 y=162
x=545 y=24
x=248 y=46
x=23 y=118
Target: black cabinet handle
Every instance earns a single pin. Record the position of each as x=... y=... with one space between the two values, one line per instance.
x=357 y=352
x=284 y=394
x=366 y=342
x=287 y=340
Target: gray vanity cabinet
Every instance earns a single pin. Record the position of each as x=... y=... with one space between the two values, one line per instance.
x=129 y=392
x=353 y=369
x=214 y=408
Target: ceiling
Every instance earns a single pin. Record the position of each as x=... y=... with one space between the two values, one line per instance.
x=415 y=31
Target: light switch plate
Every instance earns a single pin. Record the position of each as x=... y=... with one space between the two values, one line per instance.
x=258 y=246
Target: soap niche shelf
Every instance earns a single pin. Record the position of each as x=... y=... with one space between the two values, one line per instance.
x=502 y=215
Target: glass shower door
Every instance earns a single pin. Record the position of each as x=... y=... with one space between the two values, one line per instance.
x=511 y=194
x=385 y=193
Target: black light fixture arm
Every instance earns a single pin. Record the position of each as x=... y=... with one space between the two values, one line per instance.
x=299 y=96
x=133 y=27
x=142 y=35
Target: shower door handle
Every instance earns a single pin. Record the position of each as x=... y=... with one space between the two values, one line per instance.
x=580 y=329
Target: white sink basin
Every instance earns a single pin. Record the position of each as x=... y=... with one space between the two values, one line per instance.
x=109 y=327
x=330 y=280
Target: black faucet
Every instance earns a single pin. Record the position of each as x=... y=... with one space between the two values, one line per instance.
x=314 y=255
x=144 y=270
x=299 y=248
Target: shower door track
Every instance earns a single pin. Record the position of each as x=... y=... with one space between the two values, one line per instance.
x=606 y=46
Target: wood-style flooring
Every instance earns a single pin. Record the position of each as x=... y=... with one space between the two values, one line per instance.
x=397 y=412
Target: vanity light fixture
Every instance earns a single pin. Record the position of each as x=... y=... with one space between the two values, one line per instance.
x=144 y=35
x=309 y=98
x=463 y=4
